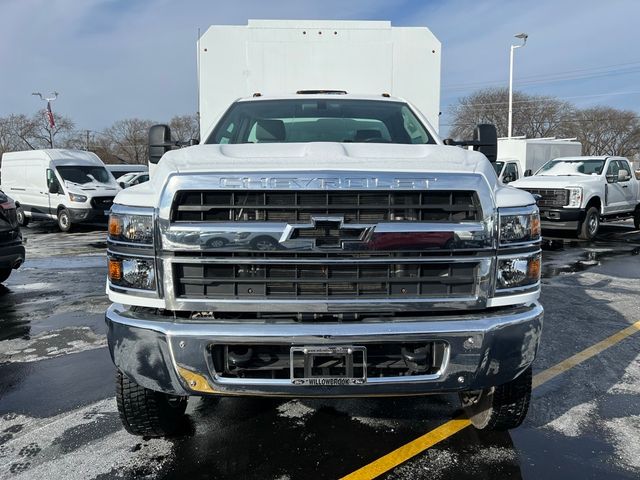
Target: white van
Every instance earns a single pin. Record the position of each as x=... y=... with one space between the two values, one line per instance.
x=69 y=186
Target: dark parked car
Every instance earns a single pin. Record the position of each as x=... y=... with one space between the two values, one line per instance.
x=11 y=248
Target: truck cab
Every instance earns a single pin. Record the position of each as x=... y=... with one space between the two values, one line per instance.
x=321 y=243
x=578 y=193
x=508 y=170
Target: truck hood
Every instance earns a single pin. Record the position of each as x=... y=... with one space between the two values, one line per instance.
x=315 y=157
x=555 y=181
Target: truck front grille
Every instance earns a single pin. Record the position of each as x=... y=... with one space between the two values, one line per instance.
x=551 y=197
x=325 y=280
x=103 y=203
x=300 y=206
x=274 y=361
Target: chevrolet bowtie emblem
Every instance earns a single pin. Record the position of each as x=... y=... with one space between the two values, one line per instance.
x=326 y=233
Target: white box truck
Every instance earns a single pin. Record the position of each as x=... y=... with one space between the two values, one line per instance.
x=322 y=240
x=68 y=186
x=521 y=157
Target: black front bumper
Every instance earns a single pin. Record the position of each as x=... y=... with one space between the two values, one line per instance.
x=95 y=215
x=11 y=256
x=561 y=218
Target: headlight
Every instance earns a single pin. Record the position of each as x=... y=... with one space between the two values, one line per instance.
x=518 y=272
x=575 y=196
x=132 y=273
x=77 y=198
x=131 y=228
x=519 y=226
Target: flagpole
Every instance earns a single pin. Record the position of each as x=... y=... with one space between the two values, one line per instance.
x=49 y=113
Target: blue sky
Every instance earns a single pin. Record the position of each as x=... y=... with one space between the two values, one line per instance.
x=113 y=59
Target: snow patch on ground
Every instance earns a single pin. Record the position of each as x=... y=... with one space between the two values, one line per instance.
x=630 y=381
x=296 y=411
x=574 y=420
x=49 y=448
x=624 y=435
x=50 y=344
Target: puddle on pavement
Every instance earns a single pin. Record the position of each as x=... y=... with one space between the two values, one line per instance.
x=12 y=325
x=589 y=259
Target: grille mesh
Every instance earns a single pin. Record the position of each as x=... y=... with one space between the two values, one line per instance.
x=322 y=281
x=355 y=207
x=551 y=197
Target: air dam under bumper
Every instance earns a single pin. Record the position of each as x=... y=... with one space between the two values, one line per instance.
x=484 y=349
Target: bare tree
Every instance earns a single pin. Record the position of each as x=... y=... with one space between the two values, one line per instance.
x=44 y=135
x=16 y=133
x=184 y=127
x=533 y=115
x=127 y=139
x=607 y=131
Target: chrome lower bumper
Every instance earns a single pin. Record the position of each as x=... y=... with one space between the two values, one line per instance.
x=484 y=349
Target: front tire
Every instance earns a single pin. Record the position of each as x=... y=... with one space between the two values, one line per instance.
x=4 y=274
x=146 y=412
x=23 y=221
x=502 y=407
x=64 y=220
x=590 y=225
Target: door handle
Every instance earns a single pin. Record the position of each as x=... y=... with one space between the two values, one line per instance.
x=625 y=186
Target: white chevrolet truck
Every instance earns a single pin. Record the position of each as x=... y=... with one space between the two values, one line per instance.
x=322 y=243
x=577 y=193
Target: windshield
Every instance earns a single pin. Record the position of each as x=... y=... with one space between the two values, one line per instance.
x=82 y=175
x=572 y=167
x=498 y=167
x=320 y=120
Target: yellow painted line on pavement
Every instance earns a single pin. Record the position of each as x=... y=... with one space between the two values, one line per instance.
x=585 y=354
x=450 y=428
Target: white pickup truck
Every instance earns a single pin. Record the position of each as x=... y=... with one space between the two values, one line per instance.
x=577 y=193
x=320 y=243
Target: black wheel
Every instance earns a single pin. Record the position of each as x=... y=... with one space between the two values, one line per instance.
x=4 y=274
x=502 y=407
x=147 y=412
x=590 y=225
x=636 y=219
x=23 y=221
x=64 y=220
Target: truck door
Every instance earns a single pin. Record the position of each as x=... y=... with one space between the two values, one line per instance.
x=629 y=186
x=510 y=173
x=615 y=190
x=54 y=192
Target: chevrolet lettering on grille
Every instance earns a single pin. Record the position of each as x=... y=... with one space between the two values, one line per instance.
x=326 y=233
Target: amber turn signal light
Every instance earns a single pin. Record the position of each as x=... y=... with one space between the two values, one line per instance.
x=115 y=269
x=533 y=270
x=115 y=226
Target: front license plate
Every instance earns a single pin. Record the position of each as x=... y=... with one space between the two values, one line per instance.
x=328 y=366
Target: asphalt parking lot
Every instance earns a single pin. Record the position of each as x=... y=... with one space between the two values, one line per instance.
x=58 y=417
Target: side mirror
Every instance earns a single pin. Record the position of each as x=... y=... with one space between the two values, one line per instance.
x=122 y=185
x=528 y=173
x=622 y=176
x=194 y=141
x=159 y=142
x=54 y=187
x=486 y=137
x=485 y=140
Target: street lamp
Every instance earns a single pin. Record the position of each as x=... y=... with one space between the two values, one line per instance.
x=523 y=37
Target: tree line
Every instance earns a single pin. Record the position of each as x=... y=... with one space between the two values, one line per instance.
x=125 y=141
x=602 y=130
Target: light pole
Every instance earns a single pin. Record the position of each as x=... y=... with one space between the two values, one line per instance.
x=523 y=37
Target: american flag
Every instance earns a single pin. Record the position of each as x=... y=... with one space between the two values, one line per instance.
x=52 y=122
